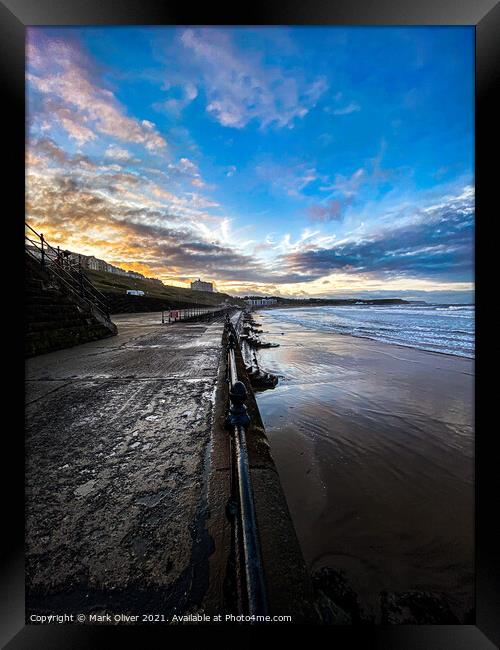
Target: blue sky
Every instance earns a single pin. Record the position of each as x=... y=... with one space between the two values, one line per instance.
x=301 y=160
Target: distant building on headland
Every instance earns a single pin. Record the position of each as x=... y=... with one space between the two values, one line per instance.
x=199 y=285
x=92 y=263
x=258 y=301
x=95 y=264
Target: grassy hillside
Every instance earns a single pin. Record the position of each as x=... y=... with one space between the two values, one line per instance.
x=111 y=283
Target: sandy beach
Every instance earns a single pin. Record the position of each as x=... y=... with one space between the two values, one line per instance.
x=375 y=450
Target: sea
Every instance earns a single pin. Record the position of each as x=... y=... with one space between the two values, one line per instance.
x=374 y=444
x=448 y=329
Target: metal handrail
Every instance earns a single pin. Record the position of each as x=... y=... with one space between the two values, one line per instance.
x=98 y=296
x=69 y=281
x=56 y=255
x=72 y=277
x=239 y=420
x=71 y=267
x=187 y=313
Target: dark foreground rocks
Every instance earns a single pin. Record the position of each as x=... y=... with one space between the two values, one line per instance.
x=340 y=605
x=416 y=608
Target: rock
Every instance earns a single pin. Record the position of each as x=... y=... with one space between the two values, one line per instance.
x=336 y=599
x=416 y=608
x=330 y=613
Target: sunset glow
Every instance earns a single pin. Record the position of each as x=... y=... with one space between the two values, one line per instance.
x=280 y=161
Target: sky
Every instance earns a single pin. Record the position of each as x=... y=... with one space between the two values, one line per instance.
x=292 y=161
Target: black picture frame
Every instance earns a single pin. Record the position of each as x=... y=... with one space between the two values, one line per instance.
x=15 y=15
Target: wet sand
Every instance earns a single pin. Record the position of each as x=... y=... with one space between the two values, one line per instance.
x=375 y=450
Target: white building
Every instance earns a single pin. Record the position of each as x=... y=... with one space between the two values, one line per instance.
x=199 y=285
x=136 y=274
x=93 y=263
x=260 y=302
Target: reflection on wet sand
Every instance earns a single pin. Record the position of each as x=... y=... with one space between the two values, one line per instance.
x=374 y=446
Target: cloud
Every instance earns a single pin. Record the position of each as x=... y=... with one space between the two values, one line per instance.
x=116 y=153
x=82 y=218
x=90 y=207
x=347 y=185
x=102 y=201
x=290 y=177
x=325 y=139
x=435 y=243
x=345 y=188
x=61 y=73
x=239 y=88
x=186 y=169
x=331 y=211
x=345 y=109
x=352 y=107
x=175 y=105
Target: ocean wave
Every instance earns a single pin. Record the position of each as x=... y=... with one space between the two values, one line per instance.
x=436 y=328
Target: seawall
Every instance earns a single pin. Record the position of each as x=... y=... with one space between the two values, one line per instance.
x=127 y=478
x=289 y=587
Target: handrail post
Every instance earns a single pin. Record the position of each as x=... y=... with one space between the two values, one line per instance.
x=80 y=278
x=43 y=250
x=238 y=413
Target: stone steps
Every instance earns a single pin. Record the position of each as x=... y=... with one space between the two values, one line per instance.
x=54 y=317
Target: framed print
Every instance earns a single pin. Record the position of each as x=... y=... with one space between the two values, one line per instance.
x=253 y=396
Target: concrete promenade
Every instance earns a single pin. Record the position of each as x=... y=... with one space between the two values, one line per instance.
x=117 y=446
